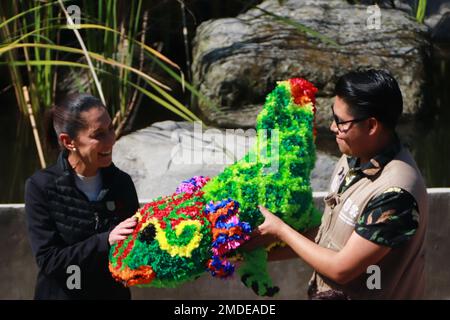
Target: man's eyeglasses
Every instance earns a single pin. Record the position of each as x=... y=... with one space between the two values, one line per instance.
x=344 y=126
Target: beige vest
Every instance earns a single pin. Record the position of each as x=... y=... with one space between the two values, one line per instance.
x=402 y=270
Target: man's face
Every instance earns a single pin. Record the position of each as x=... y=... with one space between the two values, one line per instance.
x=351 y=137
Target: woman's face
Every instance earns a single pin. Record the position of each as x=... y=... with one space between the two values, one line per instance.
x=94 y=143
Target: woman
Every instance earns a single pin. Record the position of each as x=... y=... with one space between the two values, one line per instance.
x=73 y=208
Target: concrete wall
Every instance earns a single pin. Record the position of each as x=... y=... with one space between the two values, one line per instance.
x=18 y=268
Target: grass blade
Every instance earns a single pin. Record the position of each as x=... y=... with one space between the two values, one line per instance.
x=93 y=55
x=421 y=10
x=85 y=51
x=176 y=108
x=299 y=26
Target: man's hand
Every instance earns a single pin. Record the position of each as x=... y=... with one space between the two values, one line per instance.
x=340 y=266
x=272 y=225
x=122 y=230
x=257 y=241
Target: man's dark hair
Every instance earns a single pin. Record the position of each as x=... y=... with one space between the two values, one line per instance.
x=371 y=93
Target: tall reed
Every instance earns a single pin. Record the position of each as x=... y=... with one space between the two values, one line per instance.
x=39 y=47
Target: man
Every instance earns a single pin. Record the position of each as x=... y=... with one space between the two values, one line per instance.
x=376 y=210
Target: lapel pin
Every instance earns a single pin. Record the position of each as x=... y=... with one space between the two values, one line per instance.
x=110 y=205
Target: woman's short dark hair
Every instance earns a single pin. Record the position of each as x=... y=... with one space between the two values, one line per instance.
x=371 y=93
x=65 y=117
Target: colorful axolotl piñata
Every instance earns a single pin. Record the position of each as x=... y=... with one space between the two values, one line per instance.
x=202 y=225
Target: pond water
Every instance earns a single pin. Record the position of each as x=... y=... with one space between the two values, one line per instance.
x=428 y=136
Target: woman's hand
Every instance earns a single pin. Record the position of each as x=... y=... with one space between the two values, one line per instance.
x=122 y=230
x=272 y=224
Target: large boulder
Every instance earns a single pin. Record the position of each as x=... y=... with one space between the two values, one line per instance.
x=438 y=19
x=236 y=61
x=159 y=157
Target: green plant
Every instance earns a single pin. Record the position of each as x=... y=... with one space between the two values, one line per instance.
x=38 y=46
x=421 y=9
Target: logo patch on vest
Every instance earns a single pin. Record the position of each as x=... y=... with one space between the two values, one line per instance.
x=349 y=212
x=337 y=180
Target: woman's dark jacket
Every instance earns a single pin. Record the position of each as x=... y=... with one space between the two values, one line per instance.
x=66 y=229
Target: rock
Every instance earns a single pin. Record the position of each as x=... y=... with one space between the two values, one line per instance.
x=238 y=60
x=441 y=31
x=437 y=15
x=159 y=157
x=440 y=24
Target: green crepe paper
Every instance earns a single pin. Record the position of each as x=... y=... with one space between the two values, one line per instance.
x=286 y=191
x=254 y=273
